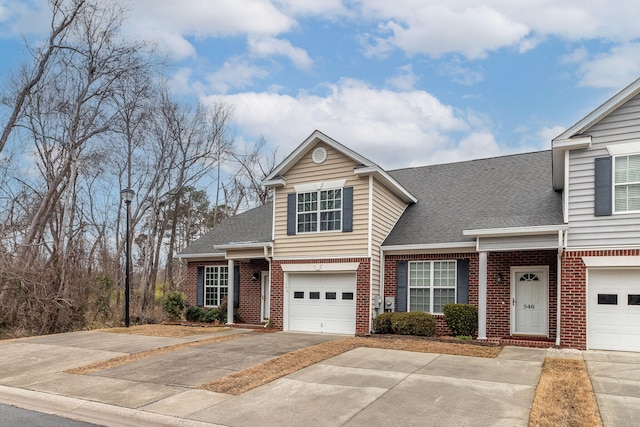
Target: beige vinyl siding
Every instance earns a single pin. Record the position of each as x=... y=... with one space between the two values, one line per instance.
x=387 y=209
x=245 y=253
x=585 y=229
x=324 y=244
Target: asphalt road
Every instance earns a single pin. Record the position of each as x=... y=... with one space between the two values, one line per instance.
x=10 y=416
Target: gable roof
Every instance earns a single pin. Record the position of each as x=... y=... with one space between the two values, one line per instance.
x=574 y=137
x=500 y=192
x=365 y=166
x=254 y=225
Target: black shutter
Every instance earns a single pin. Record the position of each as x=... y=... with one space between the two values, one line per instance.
x=347 y=209
x=603 y=183
x=402 y=276
x=291 y=214
x=462 y=279
x=236 y=286
x=200 y=288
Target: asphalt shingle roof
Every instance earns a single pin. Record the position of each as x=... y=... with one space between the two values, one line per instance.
x=508 y=191
x=500 y=192
x=254 y=225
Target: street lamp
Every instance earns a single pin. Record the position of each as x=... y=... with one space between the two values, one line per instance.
x=127 y=195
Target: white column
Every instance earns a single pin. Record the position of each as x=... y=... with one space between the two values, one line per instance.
x=230 y=285
x=482 y=296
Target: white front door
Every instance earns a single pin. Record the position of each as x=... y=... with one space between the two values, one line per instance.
x=529 y=301
x=265 y=307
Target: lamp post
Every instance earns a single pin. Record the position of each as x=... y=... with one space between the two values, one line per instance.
x=127 y=196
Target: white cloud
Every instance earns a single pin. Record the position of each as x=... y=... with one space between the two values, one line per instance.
x=270 y=46
x=393 y=129
x=461 y=74
x=236 y=73
x=405 y=79
x=473 y=29
x=576 y=56
x=324 y=8
x=613 y=69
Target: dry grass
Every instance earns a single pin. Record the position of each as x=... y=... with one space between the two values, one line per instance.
x=245 y=380
x=564 y=396
x=122 y=360
x=172 y=331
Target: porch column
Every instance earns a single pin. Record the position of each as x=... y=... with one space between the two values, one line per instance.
x=482 y=296
x=230 y=296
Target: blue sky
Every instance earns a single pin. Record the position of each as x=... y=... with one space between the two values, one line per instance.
x=403 y=82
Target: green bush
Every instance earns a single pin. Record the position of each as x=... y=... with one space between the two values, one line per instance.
x=462 y=319
x=210 y=315
x=414 y=323
x=193 y=313
x=173 y=305
x=382 y=323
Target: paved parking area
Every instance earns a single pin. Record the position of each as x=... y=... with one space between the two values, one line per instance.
x=360 y=387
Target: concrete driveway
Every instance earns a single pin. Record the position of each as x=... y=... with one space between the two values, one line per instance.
x=615 y=377
x=360 y=387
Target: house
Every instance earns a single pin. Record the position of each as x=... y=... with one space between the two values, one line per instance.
x=545 y=244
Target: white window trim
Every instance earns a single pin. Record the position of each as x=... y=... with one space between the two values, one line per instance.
x=217 y=285
x=620 y=153
x=318 y=212
x=431 y=281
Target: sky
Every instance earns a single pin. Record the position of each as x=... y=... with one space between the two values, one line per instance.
x=403 y=83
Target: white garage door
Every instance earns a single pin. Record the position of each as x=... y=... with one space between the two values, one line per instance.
x=322 y=303
x=613 y=310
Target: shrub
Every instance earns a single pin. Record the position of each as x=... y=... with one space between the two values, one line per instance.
x=413 y=323
x=210 y=315
x=382 y=323
x=462 y=319
x=173 y=305
x=193 y=313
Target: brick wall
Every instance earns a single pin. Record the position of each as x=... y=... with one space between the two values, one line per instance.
x=250 y=289
x=573 y=332
x=498 y=294
x=363 y=297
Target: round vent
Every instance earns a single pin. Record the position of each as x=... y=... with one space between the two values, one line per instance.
x=319 y=155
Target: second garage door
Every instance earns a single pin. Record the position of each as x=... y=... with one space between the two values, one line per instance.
x=322 y=303
x=613 y=309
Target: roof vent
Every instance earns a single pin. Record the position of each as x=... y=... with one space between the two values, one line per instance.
x=319 y=155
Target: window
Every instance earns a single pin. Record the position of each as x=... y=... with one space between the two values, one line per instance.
x=627 y=183
x=633 y=299
x=319 y=211
x=432 y=284
x=607 y=299
x=216 y=285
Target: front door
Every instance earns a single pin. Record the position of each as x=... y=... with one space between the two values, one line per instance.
x=266 y=296
x=529 y=301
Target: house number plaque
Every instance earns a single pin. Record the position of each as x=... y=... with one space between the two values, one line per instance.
x=529 y=306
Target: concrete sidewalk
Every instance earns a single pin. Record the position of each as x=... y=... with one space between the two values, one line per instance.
x=360 y=387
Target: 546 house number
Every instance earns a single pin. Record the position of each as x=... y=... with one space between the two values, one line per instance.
x=529 y=306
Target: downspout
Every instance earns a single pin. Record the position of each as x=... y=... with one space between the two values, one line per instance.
x=266 y=257
x=561 y=243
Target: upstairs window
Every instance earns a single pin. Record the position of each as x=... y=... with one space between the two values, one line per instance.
x=627 y=183
x=319 y=211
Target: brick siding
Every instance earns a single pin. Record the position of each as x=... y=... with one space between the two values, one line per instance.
x=250 y=289
x=498 y=294
x=573 y=332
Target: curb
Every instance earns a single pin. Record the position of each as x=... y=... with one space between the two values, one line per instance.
x=90 y=412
